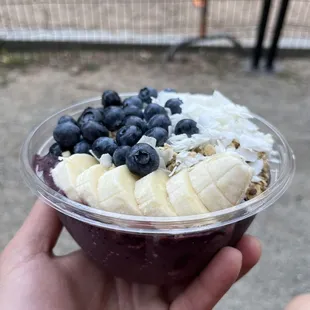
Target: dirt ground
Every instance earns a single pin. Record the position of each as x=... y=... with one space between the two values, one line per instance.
x=33 y=87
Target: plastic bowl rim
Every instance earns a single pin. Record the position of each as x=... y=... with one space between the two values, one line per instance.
x=191 y=223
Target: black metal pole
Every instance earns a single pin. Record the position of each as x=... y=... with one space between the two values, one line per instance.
x=272 y=53
x=257 y=52
x=203 y=20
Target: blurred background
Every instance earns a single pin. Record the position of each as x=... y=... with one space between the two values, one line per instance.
x=55 y=53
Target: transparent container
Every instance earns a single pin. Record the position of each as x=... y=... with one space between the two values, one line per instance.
x=155 y=250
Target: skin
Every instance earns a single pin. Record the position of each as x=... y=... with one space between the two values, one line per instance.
x=32 y=277
x=301 y=302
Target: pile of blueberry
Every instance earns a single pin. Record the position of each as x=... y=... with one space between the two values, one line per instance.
x=128 y=121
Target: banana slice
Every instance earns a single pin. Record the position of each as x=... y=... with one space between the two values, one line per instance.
x=221 y=181
x=151 y=195
x=87 y=184
x=66 y=172
x=182 y=195
x=235 y=183
x=116 y=191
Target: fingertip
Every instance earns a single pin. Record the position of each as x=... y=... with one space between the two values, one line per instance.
x=251 y=249
x=251 y=242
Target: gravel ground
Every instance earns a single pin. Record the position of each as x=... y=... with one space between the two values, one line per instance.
x=32 y=92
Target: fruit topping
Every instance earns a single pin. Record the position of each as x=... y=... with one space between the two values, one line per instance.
x=119 y=156
x=147 y=93
x=153 y=109
x=186 y=126
x=136 y=121
x=113 y=117
x=142 y=159
x=170 y=90
x=110 y=98
x=134 y=100
x=133 y=110
x=55 y=150
x=67 y=135
x=82 y=147
x=67 y=118
x=159 y=133
x=174 y=105
x=89 y=114
x=128 y=135
x=104 y=145
x=159 y=120
x=93 y=130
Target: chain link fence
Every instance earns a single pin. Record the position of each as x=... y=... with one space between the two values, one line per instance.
x=296 y=32
x=158 y=22
x=256 y=24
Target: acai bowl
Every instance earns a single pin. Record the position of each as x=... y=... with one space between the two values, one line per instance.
x=149 y=205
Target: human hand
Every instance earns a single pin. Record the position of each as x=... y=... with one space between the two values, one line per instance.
x=32 y=277
x=301 y=302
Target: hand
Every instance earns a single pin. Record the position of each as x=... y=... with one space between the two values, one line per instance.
x=301 y=302
x=32 y=277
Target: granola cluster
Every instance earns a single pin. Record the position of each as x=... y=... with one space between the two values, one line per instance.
x=256 y=189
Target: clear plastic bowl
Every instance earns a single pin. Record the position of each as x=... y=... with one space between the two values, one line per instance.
x=157 y=250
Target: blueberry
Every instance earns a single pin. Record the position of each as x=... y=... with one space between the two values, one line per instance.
x=119 y=156
x=170 y=90
x=159 y=120
x=93 y=130
x=153 y=92
x=153 y=109
x=187 y=126
x=89 y=114
x=101 y=110
x=174 y=105
x=104 y=145
x=142 y=159
x=128 y=135
x=110 y=98
x=160 y=134
x=146 y=93
x=67 y=135
x=133 y=110
x=82 y=147
x=136 y=121
x=134 y=100
x=113 y=117
x=55 y=150
x=67 y=118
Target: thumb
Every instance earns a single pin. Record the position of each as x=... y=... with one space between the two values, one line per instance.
x=40 y=231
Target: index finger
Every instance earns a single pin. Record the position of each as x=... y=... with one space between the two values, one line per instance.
x=212 y=284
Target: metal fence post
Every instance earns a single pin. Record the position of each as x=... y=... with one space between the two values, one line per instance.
x=258 y=49
x=203 y=19
x=272 y=53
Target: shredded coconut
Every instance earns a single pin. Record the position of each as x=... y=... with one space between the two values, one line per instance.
x=218 y=119
x=148 y=140
x=106 y=160
x=222 y=124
